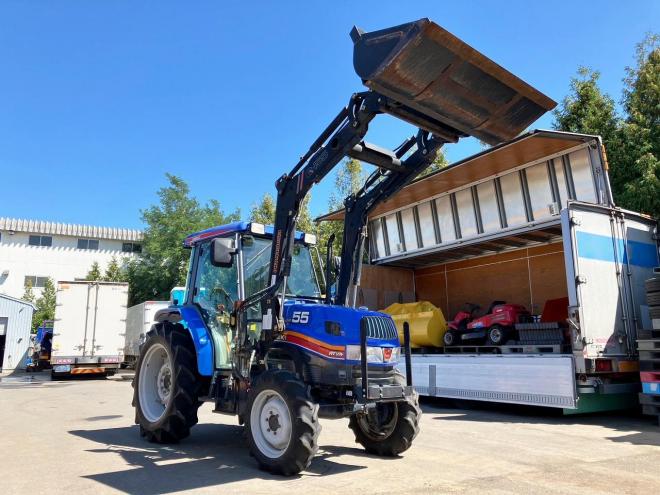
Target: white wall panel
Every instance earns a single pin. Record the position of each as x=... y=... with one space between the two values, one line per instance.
x=445 y=219
x=490 y=217
x=512 y=197
x=540 y=191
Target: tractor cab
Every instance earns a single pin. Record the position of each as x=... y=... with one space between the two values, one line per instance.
x=214 y=286
x=230 y=263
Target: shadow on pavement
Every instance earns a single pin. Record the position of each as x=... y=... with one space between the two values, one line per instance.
x=641 y=430
x=22 y=379
x=212 y=455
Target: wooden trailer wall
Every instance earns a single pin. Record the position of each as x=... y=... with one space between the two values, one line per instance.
x=528 y=276
x=381 y=286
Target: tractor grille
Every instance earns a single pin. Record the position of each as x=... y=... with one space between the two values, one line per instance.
x=380 y=327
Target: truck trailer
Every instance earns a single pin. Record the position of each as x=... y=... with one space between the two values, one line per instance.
x=529 y=221
x=88 y=332
x=139 y=319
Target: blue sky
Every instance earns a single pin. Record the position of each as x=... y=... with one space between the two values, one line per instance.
x=99 y=99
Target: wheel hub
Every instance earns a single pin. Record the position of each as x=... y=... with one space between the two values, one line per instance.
x=164 y=383
x=273 y=422
x=155 y=382
x=270 y=423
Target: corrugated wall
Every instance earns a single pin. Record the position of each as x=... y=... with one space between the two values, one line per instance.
x=17 y=341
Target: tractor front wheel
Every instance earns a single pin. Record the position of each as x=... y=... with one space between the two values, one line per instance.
x=392 y=430
x=282 y=423
x=166 y=384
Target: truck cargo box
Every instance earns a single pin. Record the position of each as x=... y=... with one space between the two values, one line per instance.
x=139 y=319
x=526 y=222
x=88 y=332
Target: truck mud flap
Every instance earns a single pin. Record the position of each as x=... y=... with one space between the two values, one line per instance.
x=426 y=68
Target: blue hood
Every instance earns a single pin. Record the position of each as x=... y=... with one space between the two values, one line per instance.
x=312 y=317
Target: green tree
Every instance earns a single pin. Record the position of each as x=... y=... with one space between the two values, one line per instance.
x=305 y=220
x=94 y=272
x=115 y=271
x=637 y=181
x=45 y=305
x=264 y=211
x=349 y=179
x=439 y=162
x=28 y=295
x=587 y=110
x=163 y=261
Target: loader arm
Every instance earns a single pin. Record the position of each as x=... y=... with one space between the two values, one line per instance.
x=378 y=188
x=342 y=138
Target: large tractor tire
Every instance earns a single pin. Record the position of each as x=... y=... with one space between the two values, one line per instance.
x=398 y=425
x=166 y=384
x=282 y=423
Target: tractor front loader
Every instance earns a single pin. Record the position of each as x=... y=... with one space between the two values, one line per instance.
x=253 y=333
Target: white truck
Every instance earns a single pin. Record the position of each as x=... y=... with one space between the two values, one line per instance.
x=529 y=221
x=88 y=332
x=139 y=319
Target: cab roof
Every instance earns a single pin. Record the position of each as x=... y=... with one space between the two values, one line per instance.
x=229 y=229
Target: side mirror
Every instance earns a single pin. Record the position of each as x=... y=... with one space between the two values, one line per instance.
x=222 y=252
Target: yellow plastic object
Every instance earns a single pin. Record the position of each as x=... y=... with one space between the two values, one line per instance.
x=426 y=321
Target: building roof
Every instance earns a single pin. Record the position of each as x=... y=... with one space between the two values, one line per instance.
x=56 y=228
x=524 y=149
x=14 y=299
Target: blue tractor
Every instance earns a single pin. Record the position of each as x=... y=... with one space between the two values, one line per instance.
x=253 y=333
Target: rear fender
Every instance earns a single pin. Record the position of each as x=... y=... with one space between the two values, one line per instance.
x=189 y=317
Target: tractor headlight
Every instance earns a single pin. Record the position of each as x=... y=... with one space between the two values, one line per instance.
x=374 y=354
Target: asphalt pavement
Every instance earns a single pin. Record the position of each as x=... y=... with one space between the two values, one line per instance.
x=79 y=437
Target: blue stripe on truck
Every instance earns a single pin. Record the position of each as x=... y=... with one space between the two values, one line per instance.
x=601 y=247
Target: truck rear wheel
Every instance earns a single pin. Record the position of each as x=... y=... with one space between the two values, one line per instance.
x=166 y=385
x=282 y=423
x=396 y=428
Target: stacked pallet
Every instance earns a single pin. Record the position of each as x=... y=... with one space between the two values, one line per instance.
x=648 y=344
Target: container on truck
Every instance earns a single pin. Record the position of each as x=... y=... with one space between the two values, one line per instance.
x=529 y=222
x=139 y=319
x=89 y=327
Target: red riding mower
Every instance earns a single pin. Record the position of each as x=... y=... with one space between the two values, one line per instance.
x=496 y=327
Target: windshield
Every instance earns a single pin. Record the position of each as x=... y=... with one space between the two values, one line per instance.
x=256 y=258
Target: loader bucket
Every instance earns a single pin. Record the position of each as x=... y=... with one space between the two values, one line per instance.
x=426 y=68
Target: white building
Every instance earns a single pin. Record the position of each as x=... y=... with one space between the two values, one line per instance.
x=15 y=324
x=32 y=250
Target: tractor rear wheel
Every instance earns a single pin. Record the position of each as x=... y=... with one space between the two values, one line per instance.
x=282 y=423
x=396 y=427
x=166 y=384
